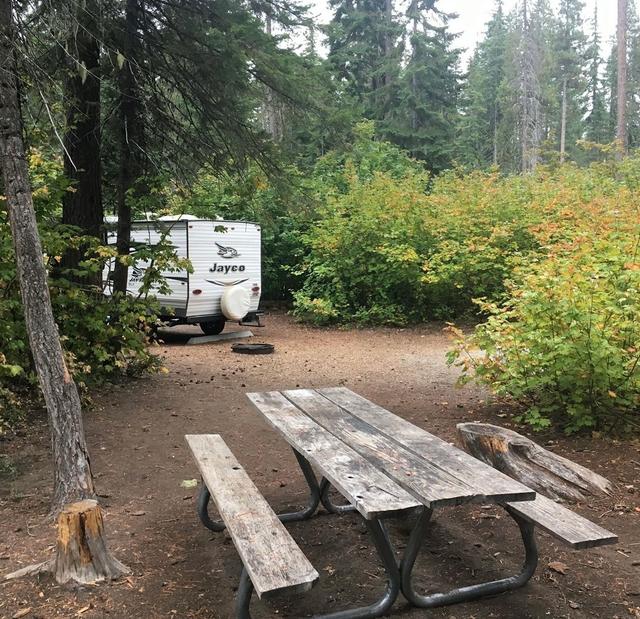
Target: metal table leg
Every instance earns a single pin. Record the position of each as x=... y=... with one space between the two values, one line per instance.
x=328 y=504
x=378 y=609
x=243 y=598
x=314 y=490
x=204 y=497
x=472 y=592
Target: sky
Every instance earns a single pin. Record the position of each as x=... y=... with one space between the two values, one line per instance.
x=474 y=14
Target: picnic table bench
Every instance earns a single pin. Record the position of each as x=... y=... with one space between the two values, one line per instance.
x=384 y=466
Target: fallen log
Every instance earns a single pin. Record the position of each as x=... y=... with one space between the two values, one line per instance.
x=536 y=467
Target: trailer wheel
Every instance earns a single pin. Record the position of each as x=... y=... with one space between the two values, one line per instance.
x=213 y=327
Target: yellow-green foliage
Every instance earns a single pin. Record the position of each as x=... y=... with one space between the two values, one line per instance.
x=565 y=338
x=366 y=253
x=103 y=337
x=549 y=260
x=386 y=249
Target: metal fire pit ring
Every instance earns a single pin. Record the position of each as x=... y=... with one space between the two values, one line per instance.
x=253 y=349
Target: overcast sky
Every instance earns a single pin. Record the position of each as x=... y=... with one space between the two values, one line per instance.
x=474 y=14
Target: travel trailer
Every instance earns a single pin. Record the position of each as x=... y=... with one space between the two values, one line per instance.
x=226 y=280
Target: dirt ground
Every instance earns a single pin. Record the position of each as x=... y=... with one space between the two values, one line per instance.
x=179 y=569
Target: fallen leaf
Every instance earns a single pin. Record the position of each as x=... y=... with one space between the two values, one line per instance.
x=189 y=483
x=558 y=566
x=138 y=513
x=84 y=609
x=21 y=613
x=330 y=570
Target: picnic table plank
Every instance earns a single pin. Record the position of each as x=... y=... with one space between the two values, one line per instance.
x=423 y=479
x=492 y=483
x=371 y=492
x=273 y=560
x=572 y=528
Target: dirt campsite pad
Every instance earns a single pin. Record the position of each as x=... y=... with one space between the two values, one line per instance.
x=146 y=481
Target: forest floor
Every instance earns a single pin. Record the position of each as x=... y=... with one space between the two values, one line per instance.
x=139 y=458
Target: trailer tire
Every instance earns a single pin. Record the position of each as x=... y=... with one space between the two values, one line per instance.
x=213 y=327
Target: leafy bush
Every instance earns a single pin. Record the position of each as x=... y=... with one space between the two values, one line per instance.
x=103 y=337
x=283 y=206
x=391 y=245
x=365 y=254
x=565 y=342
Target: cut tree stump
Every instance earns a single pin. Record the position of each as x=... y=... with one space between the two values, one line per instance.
x=536 y=467
x=82 y=555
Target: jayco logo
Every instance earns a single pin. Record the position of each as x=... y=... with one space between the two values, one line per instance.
x=227 y=252
x=227 y=268
x=137 y=274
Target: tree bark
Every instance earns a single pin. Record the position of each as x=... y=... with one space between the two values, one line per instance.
x=132 y=159
x=81 y=555
x=72 y=471
x=539 y=469
x=621 y=127
x=83 y=206
x=563 y=121
x=273 y=121
x=81 y=551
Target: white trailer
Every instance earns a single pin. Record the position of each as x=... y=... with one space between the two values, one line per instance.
x=226 y=280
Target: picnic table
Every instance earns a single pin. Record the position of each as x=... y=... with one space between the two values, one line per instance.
x=383 y=466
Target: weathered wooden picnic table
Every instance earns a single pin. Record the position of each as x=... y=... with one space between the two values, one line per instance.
x=383 y=466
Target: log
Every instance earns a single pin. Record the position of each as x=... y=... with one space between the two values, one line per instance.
x=536 y=467
x=81 y=555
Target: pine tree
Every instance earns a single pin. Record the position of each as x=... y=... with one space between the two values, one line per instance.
x=631 y=80
x=365 y=50
x=597 y=122
x=621 y=44
x=424 y=120
x=570 y=52
x=530 y=114
x=633 y=77
x=482 y=110
x=82 y=207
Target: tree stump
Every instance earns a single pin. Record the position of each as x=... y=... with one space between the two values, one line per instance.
x=536 y=467
x=82 y=555
x=81 y=550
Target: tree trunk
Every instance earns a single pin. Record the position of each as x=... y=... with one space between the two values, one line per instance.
x=132 y=158
x=621 y=128
x=82 y=555
x=495 y=134
x=83 y=207
x=563 y=120
x=273 y=122
x=72 y=472
x=536 y=467
x=81 y=551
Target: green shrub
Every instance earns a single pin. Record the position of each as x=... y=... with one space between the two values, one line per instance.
x=103 y=337
x=366 y=254
x=566 y=343
x=283 y=206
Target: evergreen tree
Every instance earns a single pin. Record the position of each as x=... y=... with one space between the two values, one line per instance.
x=633 y=77
x=365 y=40
x=597 y=122
x=424 y=120
x=543 y=26
x=481 y=102
x=632 y=81
x=611 y=82
x=570 y=52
